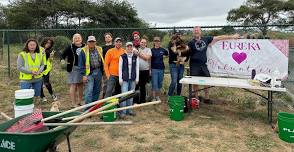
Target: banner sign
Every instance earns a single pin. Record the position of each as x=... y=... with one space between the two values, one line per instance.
x=237 y=58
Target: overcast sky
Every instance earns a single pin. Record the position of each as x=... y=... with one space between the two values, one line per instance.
x=182 y=12
x=185 y=12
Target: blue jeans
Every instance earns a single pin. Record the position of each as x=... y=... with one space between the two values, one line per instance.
x=176 y=73
x=112 y=85
x=32 y=85
x=92 y=88
x=125 y=87
x=157 y=79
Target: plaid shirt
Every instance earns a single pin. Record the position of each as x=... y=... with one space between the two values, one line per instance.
x=95 y=61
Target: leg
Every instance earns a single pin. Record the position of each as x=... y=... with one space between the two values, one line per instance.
x=174 y=78
x=42 y=90
x=37 y=87
x=180 y=76
x=111 y=82
x=80 y=89
x=117 y=89
x=154 y=76
x=104 y=85
x=160 y=81
x=132 y=85
x=195 y=71
x=97 y=86
x=205 y=73
x=137 y=98
x=89 y=89
x=72 y=93
x=47 y=83
x=124 y=88
x=144 y=76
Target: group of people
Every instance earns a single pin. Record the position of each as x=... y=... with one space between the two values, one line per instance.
x=111 y=69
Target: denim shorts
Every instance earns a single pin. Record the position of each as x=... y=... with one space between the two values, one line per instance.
x=157 y=79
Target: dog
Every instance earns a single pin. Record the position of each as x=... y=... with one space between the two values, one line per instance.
x=55 y=106
x=179 y=48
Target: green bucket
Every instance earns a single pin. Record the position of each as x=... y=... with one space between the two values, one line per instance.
x=110 y=117
x=176 y=108
x=24 y=97
x=286 y=126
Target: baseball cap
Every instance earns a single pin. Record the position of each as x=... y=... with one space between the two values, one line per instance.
x=116 y=39
x=91 y=38
x=129 y=43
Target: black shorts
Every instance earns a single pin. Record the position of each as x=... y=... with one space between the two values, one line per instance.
x=199 y=70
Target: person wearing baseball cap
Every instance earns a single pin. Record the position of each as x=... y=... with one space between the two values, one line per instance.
x=128 y=76
x=111 y=67
x=91 y=67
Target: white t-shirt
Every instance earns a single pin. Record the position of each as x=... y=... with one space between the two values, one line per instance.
x=143 y=64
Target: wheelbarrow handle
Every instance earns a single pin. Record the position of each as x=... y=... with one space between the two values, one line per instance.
x=119 y=109
x=90 y=114
x=5 y=116
x=87 y=105
x=90 y=123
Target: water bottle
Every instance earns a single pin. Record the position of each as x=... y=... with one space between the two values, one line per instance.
x=275 y=78
x=253 y=73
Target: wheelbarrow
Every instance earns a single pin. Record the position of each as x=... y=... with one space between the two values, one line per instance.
x=38 y=141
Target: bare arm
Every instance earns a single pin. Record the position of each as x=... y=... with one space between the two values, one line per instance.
x=145 y=56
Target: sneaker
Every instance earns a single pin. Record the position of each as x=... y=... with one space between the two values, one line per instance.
x=43 y=99
x=132 y=114
x=54 y=97
x=122 y=117
x=208 y=101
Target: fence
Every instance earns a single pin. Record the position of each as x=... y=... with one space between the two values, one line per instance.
x=12 y=41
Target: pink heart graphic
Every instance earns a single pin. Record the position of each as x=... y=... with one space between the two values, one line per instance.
x=239 y=57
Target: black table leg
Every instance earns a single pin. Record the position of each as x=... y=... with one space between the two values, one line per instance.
x=190 y=98
x=270 y=106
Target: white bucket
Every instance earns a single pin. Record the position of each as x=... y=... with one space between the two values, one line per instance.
x=22 y=110
x=24 y=93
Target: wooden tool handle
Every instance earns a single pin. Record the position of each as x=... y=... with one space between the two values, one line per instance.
x=87 y=105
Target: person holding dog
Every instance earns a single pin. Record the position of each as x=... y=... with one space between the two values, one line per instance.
x=198 y=58
x=91 y=66
x=175 y=65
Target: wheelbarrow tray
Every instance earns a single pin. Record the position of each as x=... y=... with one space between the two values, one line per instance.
x=33 y=142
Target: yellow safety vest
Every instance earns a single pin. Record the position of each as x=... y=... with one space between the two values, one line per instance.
x=48 y=62
x=48 y=67
x=86 y=51
x=31 y=65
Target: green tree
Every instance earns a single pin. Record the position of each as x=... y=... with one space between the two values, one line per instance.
x=259 y=12
x=70 y=13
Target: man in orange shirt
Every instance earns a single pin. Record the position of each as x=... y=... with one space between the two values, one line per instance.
x=111 y=66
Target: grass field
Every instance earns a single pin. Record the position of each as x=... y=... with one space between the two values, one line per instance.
x=237 y=123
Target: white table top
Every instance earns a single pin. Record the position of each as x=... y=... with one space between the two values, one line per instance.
x=226 y=82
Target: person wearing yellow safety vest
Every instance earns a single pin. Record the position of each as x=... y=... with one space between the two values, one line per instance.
x=30 y=64
x=91 y=66
x=47 y=44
